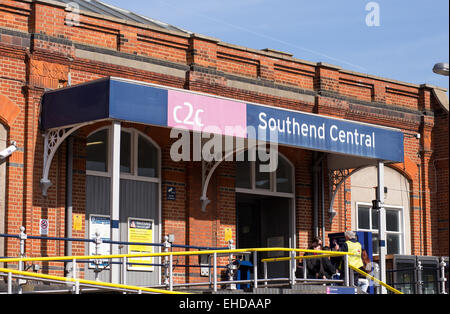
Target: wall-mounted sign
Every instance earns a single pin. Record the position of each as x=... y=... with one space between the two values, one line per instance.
x=77 y=222
x=140 y=231
x=125 y=100
x=43 y=227
x=228 y=234
x=171 y=193
x=102 y=225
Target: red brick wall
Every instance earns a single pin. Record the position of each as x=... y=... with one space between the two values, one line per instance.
x=37 y=51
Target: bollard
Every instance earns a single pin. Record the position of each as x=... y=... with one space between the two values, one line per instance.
x=419 y=283
x=443 y=280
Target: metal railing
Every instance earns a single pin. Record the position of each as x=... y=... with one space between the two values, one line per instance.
x=168 y=266
x=214 y=253
x=415 y=281
x=97 y=262
x=321 y=254
x=169 y=285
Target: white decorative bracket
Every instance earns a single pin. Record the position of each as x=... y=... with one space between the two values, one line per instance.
x=337 y=178
x=52 y=140
x=208 y=168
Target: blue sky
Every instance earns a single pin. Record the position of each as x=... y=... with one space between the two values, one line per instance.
x=413 y=35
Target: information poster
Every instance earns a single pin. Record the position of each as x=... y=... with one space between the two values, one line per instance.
x=140 y=231
x=102 y=225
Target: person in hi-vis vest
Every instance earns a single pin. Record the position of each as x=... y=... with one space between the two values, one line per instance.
x=352 y=245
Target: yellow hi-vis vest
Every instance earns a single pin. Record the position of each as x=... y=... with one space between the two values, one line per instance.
x=355 y=248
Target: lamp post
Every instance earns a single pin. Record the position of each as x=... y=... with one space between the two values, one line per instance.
x=441 y=68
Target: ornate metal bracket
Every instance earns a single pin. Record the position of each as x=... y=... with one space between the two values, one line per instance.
x=337 y=177
x=208 y=169
x=52 y=140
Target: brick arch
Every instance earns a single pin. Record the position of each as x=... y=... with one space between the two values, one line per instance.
x=8 y=111
x=408 y=169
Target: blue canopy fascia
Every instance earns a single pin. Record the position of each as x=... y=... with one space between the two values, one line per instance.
x=144 y=103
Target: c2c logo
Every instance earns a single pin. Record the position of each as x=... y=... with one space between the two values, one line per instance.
x=191 y=118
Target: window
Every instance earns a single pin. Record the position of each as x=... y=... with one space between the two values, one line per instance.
x=125 y=152
x=147 y=158
x=284 y=176
x=262 y=179
x=244 y=172
x=367 y=220
x=250 y=177
x=139 y=157
x=97 y=151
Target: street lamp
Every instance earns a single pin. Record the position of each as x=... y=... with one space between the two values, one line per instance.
x=441 y=68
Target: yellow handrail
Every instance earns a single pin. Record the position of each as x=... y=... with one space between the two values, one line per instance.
x=87 y=282
x=376 y=280
x=184 y=253
x=285 y=259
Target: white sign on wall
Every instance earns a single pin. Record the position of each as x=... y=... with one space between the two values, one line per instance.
x=102 y=225
x=43 y=227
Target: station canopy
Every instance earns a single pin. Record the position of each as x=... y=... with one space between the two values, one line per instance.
x=349 y=144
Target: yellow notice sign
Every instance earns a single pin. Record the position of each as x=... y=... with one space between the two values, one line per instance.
x=228 y=234
x=140 y=231
x=77 y=220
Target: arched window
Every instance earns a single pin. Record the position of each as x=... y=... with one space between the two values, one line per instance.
x=147 y=163
x=250 y=178
x=139 y=156
x=97 y=151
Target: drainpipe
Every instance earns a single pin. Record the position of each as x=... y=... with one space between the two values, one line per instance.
x=69 y=199
x=323 y=198
x=316 y=171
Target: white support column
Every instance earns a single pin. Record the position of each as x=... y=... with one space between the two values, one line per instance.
x=382 y=225
x=115 y=197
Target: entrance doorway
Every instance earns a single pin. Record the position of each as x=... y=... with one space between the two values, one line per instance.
x=264 y=221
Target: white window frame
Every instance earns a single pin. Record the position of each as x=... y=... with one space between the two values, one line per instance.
x=400 y=210
x=134 y=156
x=272 y=191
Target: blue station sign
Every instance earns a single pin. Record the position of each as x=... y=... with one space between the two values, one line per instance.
x=125 y=100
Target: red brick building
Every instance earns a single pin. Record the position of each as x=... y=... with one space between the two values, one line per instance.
x=44 y=47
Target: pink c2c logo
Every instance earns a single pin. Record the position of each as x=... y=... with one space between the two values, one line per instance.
x=206 y=114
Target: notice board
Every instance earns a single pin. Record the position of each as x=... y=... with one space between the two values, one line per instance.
x=140 y=231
